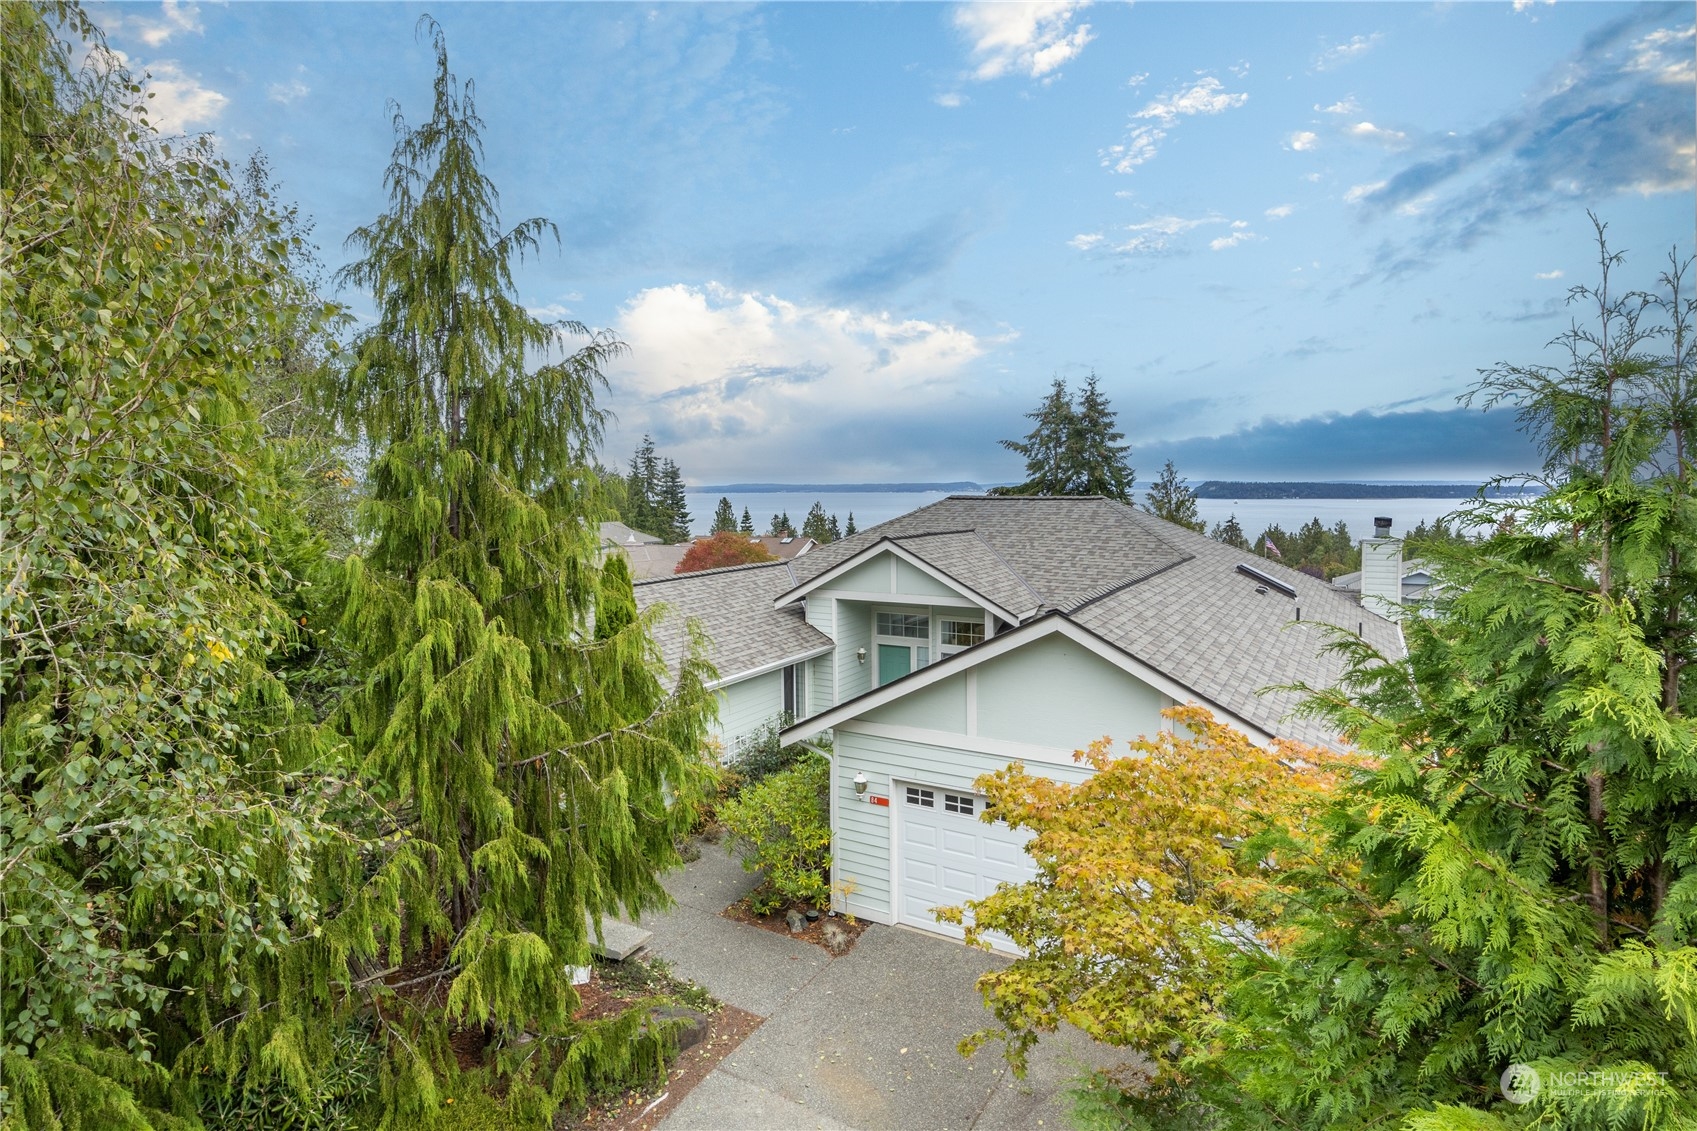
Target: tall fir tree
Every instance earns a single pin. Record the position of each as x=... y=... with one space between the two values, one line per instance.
x=724 y=518
x=1230 y=532
x=746 y=526
x=642 y=487
x=849 y=528
x=833 y=530
x=1100 y=460
x=533 y=770
x=816 y=526
x=1047 y=448
x=1172 y=499
x=672 y=505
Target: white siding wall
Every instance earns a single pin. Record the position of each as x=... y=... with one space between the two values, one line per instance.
x=821 y=673
x=1381 y=576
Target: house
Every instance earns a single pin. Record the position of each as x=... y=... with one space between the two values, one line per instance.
x=762 y=652
x=980 y=631
x=618 y=534
x=787 y=547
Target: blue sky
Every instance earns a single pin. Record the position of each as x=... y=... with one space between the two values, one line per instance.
x=856 y=242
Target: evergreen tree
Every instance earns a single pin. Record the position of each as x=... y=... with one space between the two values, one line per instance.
x=532 y=770
x=1230 y=532
x=1100 y=467
x=1172 y=499
x=724 y=518
x=781 y=526
x=672 y=508
x=816 y=526
x=642 y=491
x=1049 y=447
x=833 y=530
x=746 y=526
x=849 y=530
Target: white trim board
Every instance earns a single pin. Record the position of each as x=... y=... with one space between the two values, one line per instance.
x=765 y=669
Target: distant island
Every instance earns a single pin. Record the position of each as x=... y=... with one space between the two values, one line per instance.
x=833 y=488
x=1210 y=489
x=1233 y=489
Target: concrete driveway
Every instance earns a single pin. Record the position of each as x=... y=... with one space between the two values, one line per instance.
x=863 y=1041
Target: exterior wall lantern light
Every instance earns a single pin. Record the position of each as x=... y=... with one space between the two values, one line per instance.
x=860 y=784
x=860 y=654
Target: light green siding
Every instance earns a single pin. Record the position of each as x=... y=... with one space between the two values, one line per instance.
x=821 y=676
x=861 y=844
x=871 y=577
x=913 y=582
x=941 y=706
x=854 y=631
x=1056 y=693
x=748 y=705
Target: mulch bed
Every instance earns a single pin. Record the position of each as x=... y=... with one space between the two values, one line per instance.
x=774 y=922
x=643 y=1109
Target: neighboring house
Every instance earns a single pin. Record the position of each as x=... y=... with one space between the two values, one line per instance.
x=980 y=631
x=618 y=534
x=761 y=652
x=653 y=561
x=1417 y=582
x=787 y=548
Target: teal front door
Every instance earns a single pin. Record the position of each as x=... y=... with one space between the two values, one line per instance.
x=894 y=661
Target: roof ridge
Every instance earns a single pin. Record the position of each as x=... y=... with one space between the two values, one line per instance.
x=711 y=572
x=1007 y=565
x=1105 y=591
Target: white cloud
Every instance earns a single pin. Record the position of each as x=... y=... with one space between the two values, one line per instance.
x=713 y=362
x=1033 y=39
x=1556 y=274
x=1151 y=124
x=1367 y=131
x=1137 y=80
x=1084 y=241
x=179 y=100
x=950 y=100
x=1359 y=193
x=1311 y=178
x=1357 y=46
x=1346 y=105
x=1303 y=140
x=292 y=91
x=1239 y=235
x=174 y=17
x=1526 y=5
x=1666 y=54
x=551 y=312
x=1280 y=211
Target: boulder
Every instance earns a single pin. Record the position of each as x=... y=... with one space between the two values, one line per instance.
x=796 y=920
x=694 y=1026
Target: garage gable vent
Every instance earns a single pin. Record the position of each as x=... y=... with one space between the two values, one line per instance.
x=1263 y=579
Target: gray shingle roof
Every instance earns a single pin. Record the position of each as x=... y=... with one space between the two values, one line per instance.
x=1167 y=596
x=734 y=607
x=1063 y=549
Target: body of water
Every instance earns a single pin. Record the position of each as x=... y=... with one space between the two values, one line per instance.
x=1254 y=515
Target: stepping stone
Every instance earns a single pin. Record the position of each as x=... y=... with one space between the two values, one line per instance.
x=620 y=939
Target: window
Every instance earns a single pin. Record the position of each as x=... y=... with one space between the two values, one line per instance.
x=958 y=634
x=954 y=803
x=795 y=691
x=923 y=797
x=916 y=625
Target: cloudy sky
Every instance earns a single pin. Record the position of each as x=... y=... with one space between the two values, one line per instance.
x=856 y=242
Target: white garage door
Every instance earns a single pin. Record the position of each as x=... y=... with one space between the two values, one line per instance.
x=945 y=855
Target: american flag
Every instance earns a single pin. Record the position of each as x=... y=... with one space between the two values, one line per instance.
x=1272 y=549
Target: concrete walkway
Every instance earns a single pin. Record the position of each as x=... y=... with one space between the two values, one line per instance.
x=864 y=1041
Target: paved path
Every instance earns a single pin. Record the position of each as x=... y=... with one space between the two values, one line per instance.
x=864 y=1041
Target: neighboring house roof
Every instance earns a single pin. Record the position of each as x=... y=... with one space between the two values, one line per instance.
x=1416 y=581
x=651 y=561
x=785 y=548
x=618 y=534
x=734 y=607
x=1164 y=596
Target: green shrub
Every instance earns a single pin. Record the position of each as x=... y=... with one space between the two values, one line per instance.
x=760 y=755
x=783 y=828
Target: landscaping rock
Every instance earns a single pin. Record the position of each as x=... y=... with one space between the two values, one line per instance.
x=835 y=936
x=796 y=920
x=695 y=1023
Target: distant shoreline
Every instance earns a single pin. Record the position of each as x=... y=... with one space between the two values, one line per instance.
x=1209 y=489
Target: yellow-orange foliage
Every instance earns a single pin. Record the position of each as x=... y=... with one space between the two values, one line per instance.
x=1152 y=875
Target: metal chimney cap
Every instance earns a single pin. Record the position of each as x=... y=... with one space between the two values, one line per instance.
x=1381 y=527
